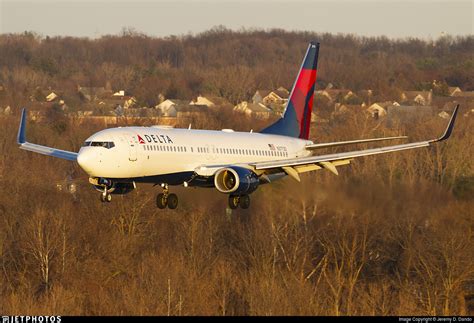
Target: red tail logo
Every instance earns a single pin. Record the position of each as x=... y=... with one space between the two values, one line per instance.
x=140 y=140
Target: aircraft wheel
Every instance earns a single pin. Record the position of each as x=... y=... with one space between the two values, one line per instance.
x=161 y=201
x=244 y=201
x=172 y=201
x=233 y=202
x=105 y=198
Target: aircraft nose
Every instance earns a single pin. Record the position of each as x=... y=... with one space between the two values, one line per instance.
x=86 y=159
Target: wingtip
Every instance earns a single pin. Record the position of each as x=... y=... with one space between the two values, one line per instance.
x=314 y=44
x=450 y=127
x=21 y=139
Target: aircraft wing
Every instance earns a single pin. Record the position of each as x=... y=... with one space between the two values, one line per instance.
x=295 y=166
x=21 y=140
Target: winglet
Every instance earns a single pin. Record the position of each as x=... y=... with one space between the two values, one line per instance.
x=450 y=127
x=21 y=138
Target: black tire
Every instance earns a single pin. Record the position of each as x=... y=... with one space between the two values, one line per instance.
x=244 y=201
x=103 y=198
x=172 y=201
x=233 y=202
x=161 y=201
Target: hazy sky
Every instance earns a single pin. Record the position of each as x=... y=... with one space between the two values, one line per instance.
x=420 y=18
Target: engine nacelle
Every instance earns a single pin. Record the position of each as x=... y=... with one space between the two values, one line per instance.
x=236 y=180
x=116 y=188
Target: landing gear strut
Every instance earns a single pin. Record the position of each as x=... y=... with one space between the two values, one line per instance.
x=105 y=196
x=166 y=199
x=236 y=200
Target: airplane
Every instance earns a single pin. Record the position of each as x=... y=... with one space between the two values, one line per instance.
x=234 y=163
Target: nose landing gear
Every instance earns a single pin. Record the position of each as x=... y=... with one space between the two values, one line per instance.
x=105 y=196
x=166 y=199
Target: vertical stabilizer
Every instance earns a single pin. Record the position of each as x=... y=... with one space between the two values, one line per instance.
x=297 y=116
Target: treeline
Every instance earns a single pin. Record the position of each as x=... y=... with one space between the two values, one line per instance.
x=231 y=64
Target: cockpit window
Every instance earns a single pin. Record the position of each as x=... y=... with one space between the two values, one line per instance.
x=105 y=144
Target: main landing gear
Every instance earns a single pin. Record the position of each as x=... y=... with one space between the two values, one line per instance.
x=166 y=199
x=236 y=200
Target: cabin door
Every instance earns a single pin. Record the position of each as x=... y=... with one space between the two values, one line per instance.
x=132 y=148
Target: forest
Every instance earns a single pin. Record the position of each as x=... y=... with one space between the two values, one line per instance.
x=391 y=235
x=230 y=64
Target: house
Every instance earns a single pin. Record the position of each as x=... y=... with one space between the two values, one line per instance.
x=211 y=101
x=256 y=110
x=169 y=103
x=119 y=94
x=180 y=108
x=51 y=97
x=6 y=111
x=337 y=95
x=268 y=97
x=453 y=90
x=378 y=109
x=417 y=97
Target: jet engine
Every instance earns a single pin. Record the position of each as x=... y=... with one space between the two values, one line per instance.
x=236 y=180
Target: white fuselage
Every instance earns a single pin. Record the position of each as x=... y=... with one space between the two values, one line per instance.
x=151 y=151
